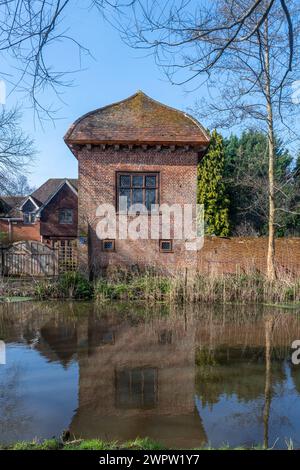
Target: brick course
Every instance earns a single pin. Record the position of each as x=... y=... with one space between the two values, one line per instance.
x=19 y=231
x=221 y=255
x=139 y=134
x=97 y=185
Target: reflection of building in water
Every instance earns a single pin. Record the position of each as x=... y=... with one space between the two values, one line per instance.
x=48 y=328
x=138 y=372
x=138 y=380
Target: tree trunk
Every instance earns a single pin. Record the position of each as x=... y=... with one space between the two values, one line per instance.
x=271 y=272
x=269 y=324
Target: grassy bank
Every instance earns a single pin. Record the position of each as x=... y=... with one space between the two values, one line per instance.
x=240 y=288
x=150 y=287
x=92 y=444
x=96 y=444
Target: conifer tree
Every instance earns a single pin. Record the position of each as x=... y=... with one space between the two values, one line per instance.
x=212 y=190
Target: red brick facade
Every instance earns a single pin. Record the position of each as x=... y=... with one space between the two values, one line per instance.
x=141 y=135
x=97 y=185
x=15 y=231
x=50 y=226
x=43 y=212
x=137 y=134
x=221 y=255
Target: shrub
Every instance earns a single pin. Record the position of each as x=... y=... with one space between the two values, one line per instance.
x=75 y=286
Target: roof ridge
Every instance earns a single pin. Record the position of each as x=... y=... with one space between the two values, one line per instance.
x=137 y=93
x=101 y=108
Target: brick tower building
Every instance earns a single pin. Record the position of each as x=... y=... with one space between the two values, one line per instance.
x=147 y=152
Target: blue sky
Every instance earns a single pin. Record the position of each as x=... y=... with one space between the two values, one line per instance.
x=116 y=72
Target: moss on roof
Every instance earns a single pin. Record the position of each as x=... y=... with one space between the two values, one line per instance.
x=137 y=119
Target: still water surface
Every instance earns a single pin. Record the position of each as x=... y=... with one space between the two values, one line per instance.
x=185 y=377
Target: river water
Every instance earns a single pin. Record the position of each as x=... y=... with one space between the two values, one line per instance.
x=185 y=376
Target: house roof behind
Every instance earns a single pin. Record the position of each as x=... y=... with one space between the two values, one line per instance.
x=137 y=119
x=44 y=192
x=10 y=205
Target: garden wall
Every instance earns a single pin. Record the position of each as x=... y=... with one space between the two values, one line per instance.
x=230 y=255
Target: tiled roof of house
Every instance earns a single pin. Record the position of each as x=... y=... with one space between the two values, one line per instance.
x=44 y=192
x=138 y=119
x=10 y=205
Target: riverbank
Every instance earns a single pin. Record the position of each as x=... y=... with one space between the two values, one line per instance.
x=96 y=444
x=150 y=287
x=80 y=444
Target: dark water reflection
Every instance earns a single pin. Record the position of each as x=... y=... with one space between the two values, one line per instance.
x=185 y=377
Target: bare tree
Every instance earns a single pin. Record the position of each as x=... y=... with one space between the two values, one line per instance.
x=16 y=150
x=246 y=52
x=28 y=31
x=19 y=186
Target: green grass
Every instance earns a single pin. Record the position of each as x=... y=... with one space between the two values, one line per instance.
x=97 y=444
x=151 y=287
x=91 y=444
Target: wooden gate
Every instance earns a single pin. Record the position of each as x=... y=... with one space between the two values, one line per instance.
x=28 y=258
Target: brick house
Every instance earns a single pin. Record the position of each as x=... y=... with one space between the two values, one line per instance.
x=49 y=214
x=146 y=151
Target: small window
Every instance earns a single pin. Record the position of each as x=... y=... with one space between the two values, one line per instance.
x=136 y=388
x=165 y=337
x=166 y=246
x=66 y=216
x=137 y=188
x=28 y=218
x=108 y=245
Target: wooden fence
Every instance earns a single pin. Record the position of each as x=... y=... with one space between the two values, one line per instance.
x=32 y=258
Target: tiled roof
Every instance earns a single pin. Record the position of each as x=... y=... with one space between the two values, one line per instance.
x=137 y=119
x=44 y=192
x=9 y=205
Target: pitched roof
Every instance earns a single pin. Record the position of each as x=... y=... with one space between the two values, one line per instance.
x=137 y=119
x=10 y=205
x=44 y=192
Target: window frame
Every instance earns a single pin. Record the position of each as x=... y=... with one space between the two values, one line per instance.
x=136 y=399
x=31 y=220
x=60 y=212
x=161 y=241
x=108 y=250
x=131 y=187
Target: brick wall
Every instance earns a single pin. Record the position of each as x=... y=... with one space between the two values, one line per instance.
x=97 y=185
x=178 y=175
x=50 y=226
x=221 y=255
x=19 y=231
x=3 y=231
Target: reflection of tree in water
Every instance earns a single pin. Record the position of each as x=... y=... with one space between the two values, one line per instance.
x=13 y=419
x=234 y=371
x=295 y=373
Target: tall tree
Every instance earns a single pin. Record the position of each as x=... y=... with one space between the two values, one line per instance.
x=16 y=150
x=246 y=179
x=30 y=30
x=211 y=188
x=19 y=186
x=248 y=52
